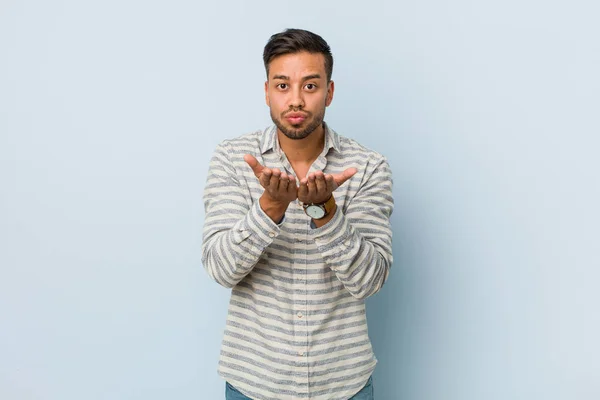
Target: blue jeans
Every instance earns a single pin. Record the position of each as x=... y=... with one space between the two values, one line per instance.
x=366 y=393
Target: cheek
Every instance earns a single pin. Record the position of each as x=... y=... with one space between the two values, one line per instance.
x=322 y=101
x=277 y=103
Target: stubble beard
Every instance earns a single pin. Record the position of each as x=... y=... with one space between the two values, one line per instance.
x=299 y=133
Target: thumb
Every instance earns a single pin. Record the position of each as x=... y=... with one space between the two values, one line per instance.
x=254 y=164
x=344 y=176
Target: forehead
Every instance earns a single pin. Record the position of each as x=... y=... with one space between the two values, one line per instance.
x=297 y=65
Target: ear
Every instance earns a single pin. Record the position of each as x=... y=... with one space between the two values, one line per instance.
x=267 y=94
x=330 y=89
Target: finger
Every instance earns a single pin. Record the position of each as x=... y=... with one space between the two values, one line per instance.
x=303 y=190
x=312 y=187
x=265 y=177
x=320 y=183
x=293 y=180
x=276 y=172
x=344 y=176
x=331 y=185
x=283 y=182
x=292 y=184
x=274 y=181
x=254 y=164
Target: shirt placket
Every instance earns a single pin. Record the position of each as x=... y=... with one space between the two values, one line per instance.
x=318 y=165
x=300 y=293
x=300 y=270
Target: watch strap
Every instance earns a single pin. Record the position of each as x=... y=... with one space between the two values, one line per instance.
x=329 y=205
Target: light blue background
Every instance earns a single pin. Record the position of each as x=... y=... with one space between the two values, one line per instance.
x=487 y=110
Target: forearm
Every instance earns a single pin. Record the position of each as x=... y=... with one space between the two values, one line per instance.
x=229 y=254
x=361 y=264
x=236 y=229
x=356 y=243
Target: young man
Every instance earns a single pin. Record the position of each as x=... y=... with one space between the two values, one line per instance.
x=297 y=223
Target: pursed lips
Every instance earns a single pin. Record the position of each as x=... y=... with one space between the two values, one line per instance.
x=295 y=117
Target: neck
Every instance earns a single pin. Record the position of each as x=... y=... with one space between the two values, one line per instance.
x=303 y=150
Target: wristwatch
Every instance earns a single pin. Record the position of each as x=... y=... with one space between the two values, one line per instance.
x=321 y=210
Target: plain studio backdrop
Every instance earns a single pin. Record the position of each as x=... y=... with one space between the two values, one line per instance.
x=489 y=114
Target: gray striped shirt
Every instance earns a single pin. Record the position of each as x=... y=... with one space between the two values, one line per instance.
x=296 y=326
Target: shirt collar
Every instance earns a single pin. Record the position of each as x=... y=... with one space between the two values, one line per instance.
x=269 y=140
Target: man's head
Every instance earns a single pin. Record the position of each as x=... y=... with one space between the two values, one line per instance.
x=299 y=86
x=295 y=41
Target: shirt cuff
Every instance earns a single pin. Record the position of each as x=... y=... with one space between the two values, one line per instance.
x=259 y=227
x=281 y=220
x=335 y=236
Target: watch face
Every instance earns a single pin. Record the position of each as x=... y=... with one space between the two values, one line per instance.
x=315 y=212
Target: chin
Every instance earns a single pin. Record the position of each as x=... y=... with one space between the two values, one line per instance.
x=296 y=135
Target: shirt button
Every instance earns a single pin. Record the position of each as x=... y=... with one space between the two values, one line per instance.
x=272 y=234
x=299 y=315
x=300 y=353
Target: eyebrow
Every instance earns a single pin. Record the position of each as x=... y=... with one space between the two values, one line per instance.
x=287 y=78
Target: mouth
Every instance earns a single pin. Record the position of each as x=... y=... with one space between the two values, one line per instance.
x=295 y=118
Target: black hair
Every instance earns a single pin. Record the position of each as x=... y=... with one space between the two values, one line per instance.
x=294 y=41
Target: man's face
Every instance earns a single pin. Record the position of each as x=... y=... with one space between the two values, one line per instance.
x=297 y=93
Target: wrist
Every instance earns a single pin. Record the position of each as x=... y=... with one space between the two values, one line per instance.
x=320 y=222
x=318 y=211
x=274 y=209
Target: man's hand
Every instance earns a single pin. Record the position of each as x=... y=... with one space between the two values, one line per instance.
x=280 y=188
x=317 y=187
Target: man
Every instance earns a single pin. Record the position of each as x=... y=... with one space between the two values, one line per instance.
x=297 y=223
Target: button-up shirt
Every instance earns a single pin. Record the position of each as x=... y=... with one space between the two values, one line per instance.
x=296 y=326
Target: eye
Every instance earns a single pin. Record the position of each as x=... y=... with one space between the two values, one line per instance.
x=311 y=86
x=282 y=86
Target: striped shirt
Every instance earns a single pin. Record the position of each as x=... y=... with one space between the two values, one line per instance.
x=296 y=326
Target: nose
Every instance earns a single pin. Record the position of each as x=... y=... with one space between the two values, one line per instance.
x=296 y=98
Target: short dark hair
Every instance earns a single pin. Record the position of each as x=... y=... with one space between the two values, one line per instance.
x=294 y=41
